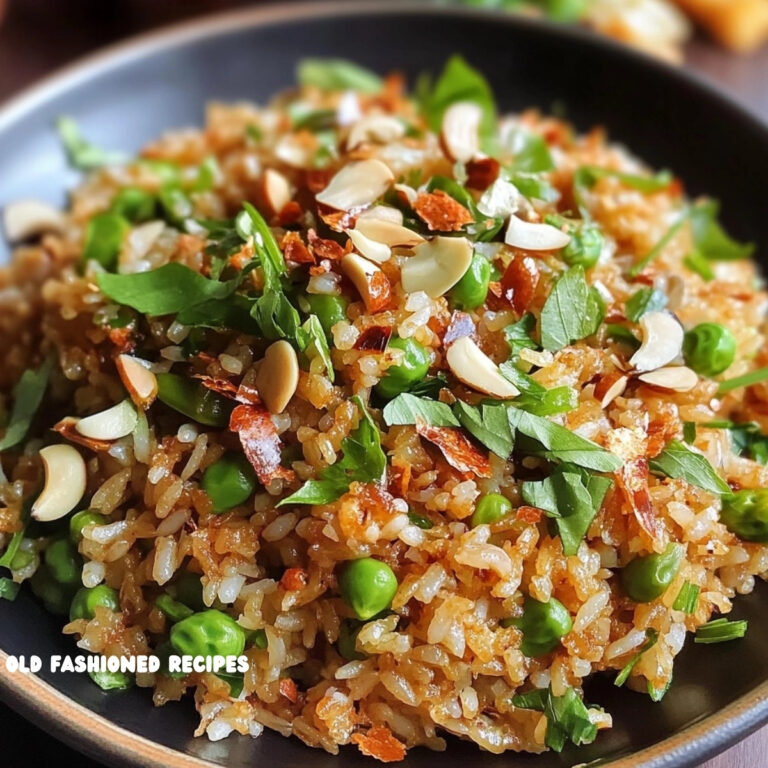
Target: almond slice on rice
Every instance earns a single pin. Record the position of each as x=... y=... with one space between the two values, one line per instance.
x=356 y=185
x=65 y=482
x=116 y=422
x=662 y=341
x=534 y=236
x=278 y=376
x=380 y=129
x=436 y=266
x=390 y=233
x=371 y=283
x=29 y=218
x=371 y=249
x=382 y=213
x=461 y=131
x=140 y=382
x=276 y=190
x=678 y=378
x=474 y=368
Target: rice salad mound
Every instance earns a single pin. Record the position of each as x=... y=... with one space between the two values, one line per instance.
x=429 y=413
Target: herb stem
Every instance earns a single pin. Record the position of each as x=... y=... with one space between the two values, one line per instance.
x=661 y=245
x=746 y=380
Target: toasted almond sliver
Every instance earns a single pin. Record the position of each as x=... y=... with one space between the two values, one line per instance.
x=369 y=280
x=295 y=152
x=662 y=341
x=356 y=185
x=381 y=129
x=278 y=376
x=65 y=482
x=615 y=390
x=375 y=251
x=389 y=233
x=678 y=378
x=531 y=236
x=382 y=213
x=28 y=218
x=276 y=189
x=473 y=367
x=116 y=422
x=461 y=130
x=501 y=199
x=140 y=382
x=436 y=266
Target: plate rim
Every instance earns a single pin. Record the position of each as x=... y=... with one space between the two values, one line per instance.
x=97 y=736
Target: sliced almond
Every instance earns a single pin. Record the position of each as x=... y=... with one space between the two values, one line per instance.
x=65 y=482
x=356 y=185
x=296 y=151
x=140 y=382
x=613 y=386
x=678 y=378
x=501 y=199
x=29 y=218
x=375 y=251
x=116 y=422
x=662 y=341
x=382 y=213
x=348 y=110
x=387 y=232
x=278 y=376
x=474 y=368
x=461 y=130
x=276 y=189
x=436 y=266
x=371 y=283
x=378 y=129
x=406 y=194
x=530 y=236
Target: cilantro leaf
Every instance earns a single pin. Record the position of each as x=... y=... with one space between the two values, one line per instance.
x=518 y=335
x=488 y=424
x=81 y=154
x=547 y=402
x=27 y=397
x=276 y=316
x=233 y=313
x=679 y=461
x=408 y=409
x=337 y=75
x=571 y=312
x=553 y=442
x=363 y=461
x=645 y=300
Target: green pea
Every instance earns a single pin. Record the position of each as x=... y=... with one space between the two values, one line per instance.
x=346 y=644
x=229 y=482
x=208 y=633
x=55 y=596
x=134 y=204
x=646 y=578
x=87 y=599
x=745 y=513
x=193 y=400
x=471 y=290
x=112 y=681
x=104 y=237
x=542 y=624
x=413 y=368
x=63 y=561
x=585 y=247
x=329 y=309
x=173 y=609
x=367 y=586
x=490 y=508
x=189 y=590
x=175 y=203
x=709 y=349
x=81 y=519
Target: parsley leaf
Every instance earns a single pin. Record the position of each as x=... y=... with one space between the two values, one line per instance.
x=337 y=75
x=571 y=312
x=553 y=442
x=233 y=312
x=27 y=397
x=645 y=300
x=547 y=402
x=530 y=153
x=164 y=291
x=81 y=153
x=679 y=461
x=488 y=424
x=363 y=461
x=518 y=335
x=408 y=409
x=710 y=238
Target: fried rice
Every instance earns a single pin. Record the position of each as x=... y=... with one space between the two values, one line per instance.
x=433 y=178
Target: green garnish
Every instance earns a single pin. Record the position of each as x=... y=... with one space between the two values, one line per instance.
x=409 y=409
x=530 y=153
x=313 y=342
x=81 y=153
x=645 y=300
x=337 y=75
x=9 y=589
x=27 y=397
x=720 y=631
x=104 y=237
x=547 y=402
x=687 y=598
x=679 y=461
x=746 y=380
x=488 y=424
x=665 y=240
x=652 y=637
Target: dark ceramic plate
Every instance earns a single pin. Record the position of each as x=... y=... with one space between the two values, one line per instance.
x=130 y=94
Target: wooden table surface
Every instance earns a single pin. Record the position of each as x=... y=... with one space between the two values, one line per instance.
x=35 y=41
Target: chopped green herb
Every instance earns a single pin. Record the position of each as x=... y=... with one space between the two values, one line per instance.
x=420 y=522
x=588 y=175
x=535 y=186
x=549 y=402
x=530 y=153
x=711 y=240
x=687 y=598
x=363 y=461
x=518 y=335
x=697 y=262
x=337 y=75
x=645 y=300
x=175 y=204
x=746 y=380
x=488 y=424
x=622 y=334
x=409 y=409
x=208 y=175
x=665 y=240
x=232 y=312
x=81 y=153
x=652 y=637
x=720 y=631
x=657 y=694
x=314 y=343
x=9 y=589
x=134 y=204
x=689 y=432
x=27 y=397
x=104 y=237
x=679 y=461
